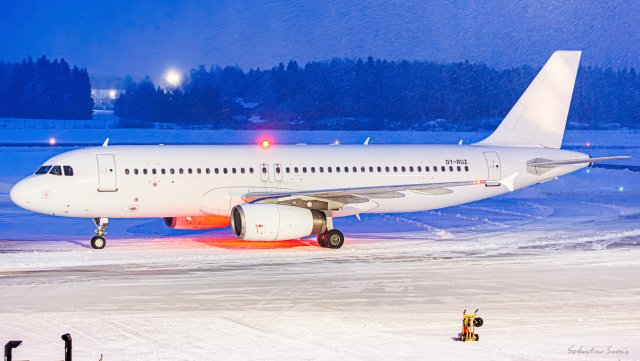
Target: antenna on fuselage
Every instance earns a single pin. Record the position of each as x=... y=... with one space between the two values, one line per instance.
x=106 y=142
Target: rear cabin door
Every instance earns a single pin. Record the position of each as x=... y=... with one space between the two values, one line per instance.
x=106 y=173
x=493 y=165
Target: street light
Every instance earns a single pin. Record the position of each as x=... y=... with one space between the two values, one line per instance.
x=173 y=78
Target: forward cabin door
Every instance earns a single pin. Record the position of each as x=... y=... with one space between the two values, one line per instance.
x=493 y=166
x=107 y=173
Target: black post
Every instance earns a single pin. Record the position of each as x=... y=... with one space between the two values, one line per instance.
x=8 y=349
x=67 y=346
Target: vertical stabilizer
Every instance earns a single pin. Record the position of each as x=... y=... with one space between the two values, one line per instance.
x=539 y=117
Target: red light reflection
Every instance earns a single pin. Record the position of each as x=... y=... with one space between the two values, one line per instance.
x=237 y=244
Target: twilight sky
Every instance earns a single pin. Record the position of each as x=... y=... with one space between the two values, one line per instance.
x=145 y=37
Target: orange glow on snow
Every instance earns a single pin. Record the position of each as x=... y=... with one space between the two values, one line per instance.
x=237 y=244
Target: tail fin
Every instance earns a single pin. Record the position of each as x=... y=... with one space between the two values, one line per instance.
x=539 y=117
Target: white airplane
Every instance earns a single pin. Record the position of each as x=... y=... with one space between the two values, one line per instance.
x=280 y=192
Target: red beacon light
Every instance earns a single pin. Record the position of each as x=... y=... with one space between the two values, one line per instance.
x=265 y=143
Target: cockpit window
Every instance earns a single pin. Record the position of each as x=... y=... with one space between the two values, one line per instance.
x=55 y=170
x=44 y=169
x=68 y=171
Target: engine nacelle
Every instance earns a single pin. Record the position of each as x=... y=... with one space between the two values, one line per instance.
x=197 y=222
x=275 y=222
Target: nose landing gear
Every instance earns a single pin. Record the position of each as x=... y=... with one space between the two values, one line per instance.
x=98 y=241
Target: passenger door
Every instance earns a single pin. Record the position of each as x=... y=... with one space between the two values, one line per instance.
x=107 y=173
x=493 y=166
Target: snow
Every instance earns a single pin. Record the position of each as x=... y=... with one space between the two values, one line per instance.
x=553 y=268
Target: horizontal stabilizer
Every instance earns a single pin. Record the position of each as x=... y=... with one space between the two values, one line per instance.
x=556 y=163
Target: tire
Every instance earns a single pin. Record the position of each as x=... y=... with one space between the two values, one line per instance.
x=335 y=239
x=477 y=337
x=463 y=338
x=322 y=239
x=478 y=322
x=98 y=242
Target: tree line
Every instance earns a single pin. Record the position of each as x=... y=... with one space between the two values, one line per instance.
x=44 y=89
x=373 y=94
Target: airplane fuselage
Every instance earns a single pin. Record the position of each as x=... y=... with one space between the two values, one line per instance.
x=187 y=181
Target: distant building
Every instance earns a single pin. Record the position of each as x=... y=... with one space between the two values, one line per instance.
x=103 y=99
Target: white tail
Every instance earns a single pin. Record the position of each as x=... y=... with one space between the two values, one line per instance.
x=539 y=117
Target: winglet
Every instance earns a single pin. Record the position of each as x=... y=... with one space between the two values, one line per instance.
x=106 y=142
x=509 y=181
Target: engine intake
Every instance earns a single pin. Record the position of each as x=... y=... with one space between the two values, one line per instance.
x=275 y=222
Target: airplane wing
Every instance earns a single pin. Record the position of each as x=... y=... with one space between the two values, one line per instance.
x=554 y=163
x=338 y=197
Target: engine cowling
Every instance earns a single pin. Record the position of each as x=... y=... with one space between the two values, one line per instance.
x=197 y=222
x=275 y=222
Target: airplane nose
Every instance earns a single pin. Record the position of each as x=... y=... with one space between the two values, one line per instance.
x=21 y=194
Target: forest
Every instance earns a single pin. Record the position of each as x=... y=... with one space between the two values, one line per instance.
x=372 y=94
x=44 y=89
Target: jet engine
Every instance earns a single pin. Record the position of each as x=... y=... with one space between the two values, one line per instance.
x=275 y=222
x=197 y=222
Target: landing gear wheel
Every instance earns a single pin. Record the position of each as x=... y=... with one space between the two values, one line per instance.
x=98 y=242
x=477 y=337
x=322 y=239
x=334 y=239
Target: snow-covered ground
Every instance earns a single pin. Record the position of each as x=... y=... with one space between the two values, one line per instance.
x=554 y=270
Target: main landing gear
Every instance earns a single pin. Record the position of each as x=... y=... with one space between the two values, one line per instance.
x=98 y=241
x=331 y=239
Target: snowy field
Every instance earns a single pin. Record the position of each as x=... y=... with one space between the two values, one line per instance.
x=554 y=269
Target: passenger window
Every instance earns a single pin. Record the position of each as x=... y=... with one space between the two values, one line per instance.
x=395 y=169
x=362 y=169
x=144 y=171
x=386 y=169
x=224 y=170
x=216 y=170
x=135 y=171
x=287 y=169
x=265 y=170
x=450 y=168
x=172 y=171
x=466 y=168
x=419 y=169
x=163 y=171
x=313 y=169
x=379 y=169
x=153 y=171
x=442 y=168
x=190 y=171
x=233 y=170
x=459 y=168
x=304 y=169
x=199 y=170
x=435 y=169
x=346 y=169
x=411 y=169
x=295 y=169
x=370 y=169
x=181 y=171
x=329 y=170
x=355 y=169
x=55 y=170
x=403 y=169
x=426 y=168
x=208 y=171
x=251 y=170
x=126 y=171
x=68 y=171
x=337 y=169
x=242 y=170
x=44 y=169
x=321 y=169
